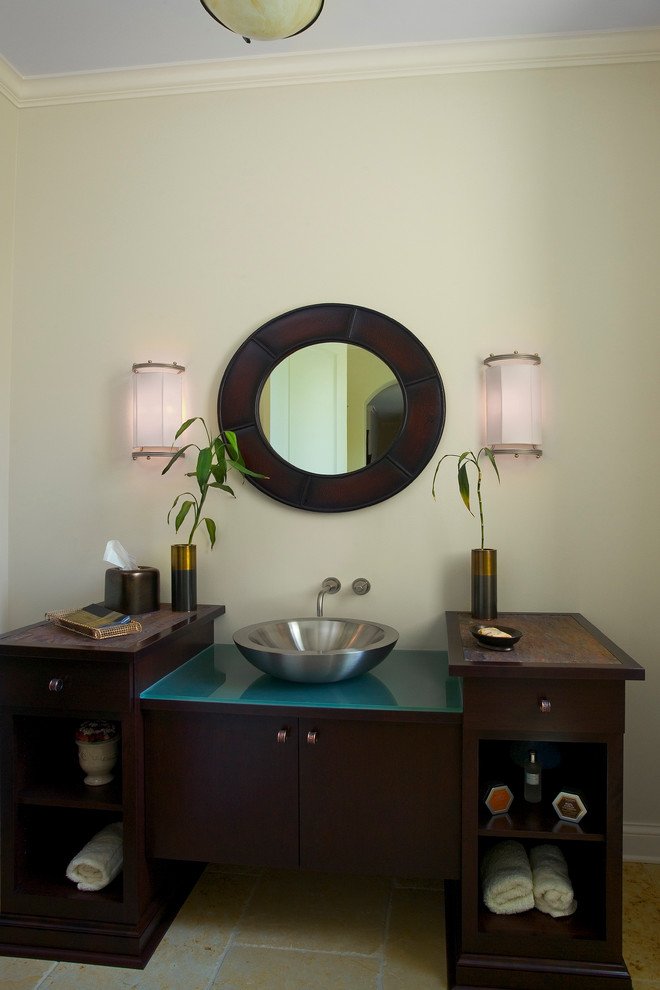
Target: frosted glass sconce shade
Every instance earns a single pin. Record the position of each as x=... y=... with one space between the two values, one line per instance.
x=513 y=404
x=264 y=21
x=156 y=408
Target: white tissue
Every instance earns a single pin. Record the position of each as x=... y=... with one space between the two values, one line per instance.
x=115 y=554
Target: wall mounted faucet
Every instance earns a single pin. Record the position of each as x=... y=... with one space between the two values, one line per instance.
x=361 y=586
x=329 y=587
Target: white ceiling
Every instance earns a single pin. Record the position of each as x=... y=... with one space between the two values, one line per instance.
x=46 y=37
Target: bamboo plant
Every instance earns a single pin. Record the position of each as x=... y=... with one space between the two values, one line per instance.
x=464 y=460
x=214 y=461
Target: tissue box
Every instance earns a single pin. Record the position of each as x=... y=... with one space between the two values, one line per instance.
x=132 y=592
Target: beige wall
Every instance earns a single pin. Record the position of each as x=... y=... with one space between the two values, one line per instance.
x=8 y=139
x=485 y=211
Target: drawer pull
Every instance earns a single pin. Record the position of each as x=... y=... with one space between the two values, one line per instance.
x=283 y=734
x=544 y=705
x=312 y=736
x=56 y=684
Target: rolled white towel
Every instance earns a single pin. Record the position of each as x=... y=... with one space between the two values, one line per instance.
x=99 y=862
x=506 y=879
x=553 y=891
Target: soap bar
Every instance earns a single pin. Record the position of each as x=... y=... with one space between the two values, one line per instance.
x=570 y=806
x=498 y=799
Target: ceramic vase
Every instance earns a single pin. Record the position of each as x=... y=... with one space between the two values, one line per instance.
x=184 y=577
x=98 y=759
x=484 y=584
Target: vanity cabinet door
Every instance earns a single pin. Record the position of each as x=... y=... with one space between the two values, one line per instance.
x=222 y=788
x=380 y=797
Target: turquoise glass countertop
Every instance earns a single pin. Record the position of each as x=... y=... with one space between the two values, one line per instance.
x=407 y=680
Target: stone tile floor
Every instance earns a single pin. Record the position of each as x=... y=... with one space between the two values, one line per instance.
x=275 y=930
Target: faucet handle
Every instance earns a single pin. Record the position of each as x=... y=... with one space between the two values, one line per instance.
x=361 y=586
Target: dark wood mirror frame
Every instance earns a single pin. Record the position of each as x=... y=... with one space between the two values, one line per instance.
x=415 y=371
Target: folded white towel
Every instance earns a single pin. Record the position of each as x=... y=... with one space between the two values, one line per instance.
x=506 y=879
x=553 y=891
x=99 y=862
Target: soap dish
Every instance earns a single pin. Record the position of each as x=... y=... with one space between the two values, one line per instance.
x=506 y=640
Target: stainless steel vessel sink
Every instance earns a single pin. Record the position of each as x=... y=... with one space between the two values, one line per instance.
x=316 y=649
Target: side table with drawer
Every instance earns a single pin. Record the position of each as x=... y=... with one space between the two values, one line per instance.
x=560 y=691
x=51 y=680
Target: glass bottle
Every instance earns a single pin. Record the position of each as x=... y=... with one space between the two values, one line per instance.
x=532 y=778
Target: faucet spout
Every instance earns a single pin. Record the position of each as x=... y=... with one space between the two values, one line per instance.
x=329 y=587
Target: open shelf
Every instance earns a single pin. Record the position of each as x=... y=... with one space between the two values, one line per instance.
x=46 y=840
x=568 y=766
x=526 y=824
x=45 y=880
x=586 y=869
x=535 y=923
x=49 y=772
x=74 y=794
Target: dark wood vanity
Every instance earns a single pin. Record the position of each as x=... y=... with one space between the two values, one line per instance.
x=51 y=680
x=562 y=688
x=383 y=774
x=358 y=776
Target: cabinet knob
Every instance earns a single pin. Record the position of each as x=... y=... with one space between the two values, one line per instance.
x=56 y=684
x=312 y=736
x=283 y=734
x=544 y=705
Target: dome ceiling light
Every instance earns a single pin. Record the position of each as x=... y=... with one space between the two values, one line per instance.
x=264 y=20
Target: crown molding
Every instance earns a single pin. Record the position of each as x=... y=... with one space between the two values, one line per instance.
x=348 y=65
x=10 y=82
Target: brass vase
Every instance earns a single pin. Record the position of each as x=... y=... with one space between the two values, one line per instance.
x=484 y=584
x=184 y=577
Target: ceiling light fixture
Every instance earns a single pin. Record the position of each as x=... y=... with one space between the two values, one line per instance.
x=264 y=20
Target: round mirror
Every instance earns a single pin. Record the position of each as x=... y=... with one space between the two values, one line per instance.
x=373 y=376
x=331 y=408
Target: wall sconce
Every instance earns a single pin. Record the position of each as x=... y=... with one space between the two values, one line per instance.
x=264 y=21
x=156 y=408
x=513 y=404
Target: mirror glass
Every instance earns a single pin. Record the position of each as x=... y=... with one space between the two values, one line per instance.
x=331 y=408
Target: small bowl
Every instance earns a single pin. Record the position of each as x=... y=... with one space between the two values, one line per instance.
x=496 y=642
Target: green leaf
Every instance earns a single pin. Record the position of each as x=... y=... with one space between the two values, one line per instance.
x=210 y=527
x=183 y=512
x=242 y=469
x=225 y=488
x=203 y=469
x=176 y=456
x=491 y=458
x=184 y=426
x=174 y=503
x=435 y=473
x=219 y=472
x=464 y=486
x=233 y=445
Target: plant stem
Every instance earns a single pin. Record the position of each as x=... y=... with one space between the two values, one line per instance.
x=481 y=506
x=203 y=489
x=198 y=515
